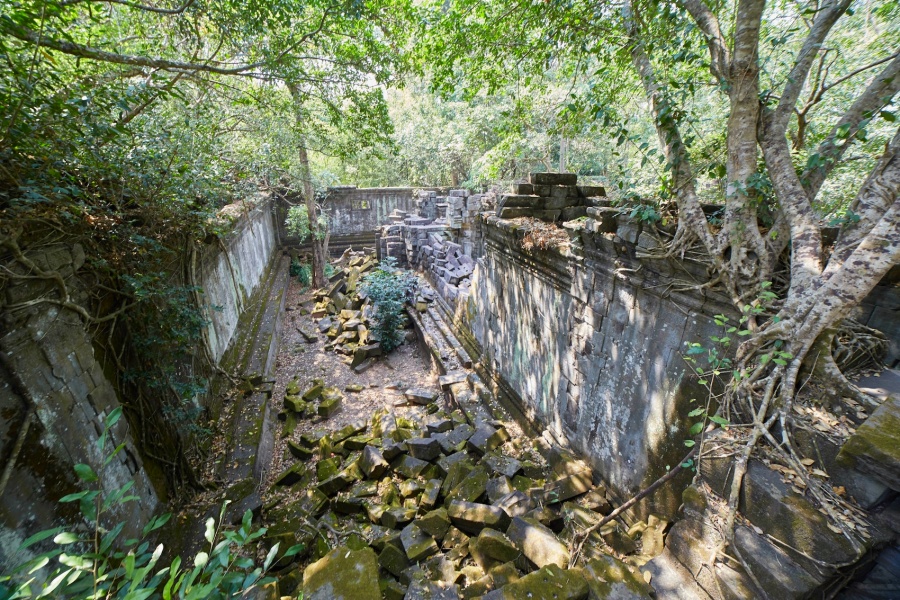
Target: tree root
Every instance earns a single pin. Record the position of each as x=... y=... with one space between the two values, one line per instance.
x=583 y=536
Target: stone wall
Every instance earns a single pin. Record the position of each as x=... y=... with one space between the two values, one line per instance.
x=586 y=341
x=231 y=270
x=354 y=214
x=55 y=392
x=53 y=378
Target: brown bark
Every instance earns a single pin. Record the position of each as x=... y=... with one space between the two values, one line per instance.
x=690 y=211
x=318 y=238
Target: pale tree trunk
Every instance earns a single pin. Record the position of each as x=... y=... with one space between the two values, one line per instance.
x=740 y=241
x=318 y=238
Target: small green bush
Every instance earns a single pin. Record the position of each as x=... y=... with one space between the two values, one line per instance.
x=89 y=561
x=388 y=289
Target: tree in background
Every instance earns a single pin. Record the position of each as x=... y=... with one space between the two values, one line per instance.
x=770 y=97
x=127 y=126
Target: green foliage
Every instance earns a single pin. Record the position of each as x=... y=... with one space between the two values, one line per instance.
x=297 y=223
x=302 y=271
x=93 y=559
x=388 y=290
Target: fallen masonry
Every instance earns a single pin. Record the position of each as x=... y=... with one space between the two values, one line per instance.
x=432 y=507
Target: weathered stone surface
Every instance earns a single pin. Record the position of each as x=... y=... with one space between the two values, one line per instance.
x=485 y=439
x=393 y=559
x=611 y=579
x=299 y=451
x=417 y=544
x=502 y=465
x=328 y=468
x=432 y=590
x=343 y=574
x=769 y=503
x=447 y=462
x=424 y=448
x=567 y=488
x=537 y=543
x=472 y=517
x=397 y=517
x=497 y=488
x=471 y=487
x=329 y=406
x=439 y=426
x=553 y=178
x=875 y=447
x=408 y=466
x=293 y=475
x=341 y=481
x=548 y=582
x=454 y=440
x=430 y=495
x=372 y=463
x=515 y=504
x=420 y=396
x=496 y=545
x=435 y=523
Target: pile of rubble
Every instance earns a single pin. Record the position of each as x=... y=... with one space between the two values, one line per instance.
x=343 y=313
x=550 y=197
x=441 y=505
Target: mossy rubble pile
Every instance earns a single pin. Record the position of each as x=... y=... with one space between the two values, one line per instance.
x=434 y=507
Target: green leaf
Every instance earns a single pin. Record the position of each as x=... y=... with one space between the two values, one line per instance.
x=688 y=463
x=75 y=496
x=696 y=412
x=720 y=420
x=696 y=428
x=85 y=472
x=270 y=557
x=66 y=538
x=690 y=443
x=210 y=530
x=38 y=537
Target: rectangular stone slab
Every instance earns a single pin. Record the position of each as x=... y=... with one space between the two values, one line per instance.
x=472 y=517
x=538 y=543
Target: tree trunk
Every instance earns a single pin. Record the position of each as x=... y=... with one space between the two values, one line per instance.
x=318 y=238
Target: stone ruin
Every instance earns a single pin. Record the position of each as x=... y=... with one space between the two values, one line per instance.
x=444 y=236
x=444 y=503
x=440 y=239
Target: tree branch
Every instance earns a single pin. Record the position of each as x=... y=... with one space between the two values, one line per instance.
x=709 y=25
x=796 y=79
x=144 y=7
x=879 y=93
x=875 y=198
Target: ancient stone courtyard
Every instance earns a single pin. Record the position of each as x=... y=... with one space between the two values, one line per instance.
x=526 y=439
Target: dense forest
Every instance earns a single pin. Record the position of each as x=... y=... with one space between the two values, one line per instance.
x=127 y=126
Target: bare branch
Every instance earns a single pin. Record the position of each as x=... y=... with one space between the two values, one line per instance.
x=879 y=93
x=874 y=199
x=825 y=20
x=144 y=7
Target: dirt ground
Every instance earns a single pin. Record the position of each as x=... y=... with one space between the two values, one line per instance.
x=384 y=383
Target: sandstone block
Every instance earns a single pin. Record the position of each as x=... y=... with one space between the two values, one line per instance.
x=472 y=517
x=343 y=574
x=537 y=543
x=553 y=178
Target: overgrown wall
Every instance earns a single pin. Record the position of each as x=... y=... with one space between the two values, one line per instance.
x=354 y=214
x=52 y=374
x=586 y=342
x=231 y=270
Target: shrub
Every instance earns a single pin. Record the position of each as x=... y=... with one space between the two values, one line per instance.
x=90 y=561
x=388 y=289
